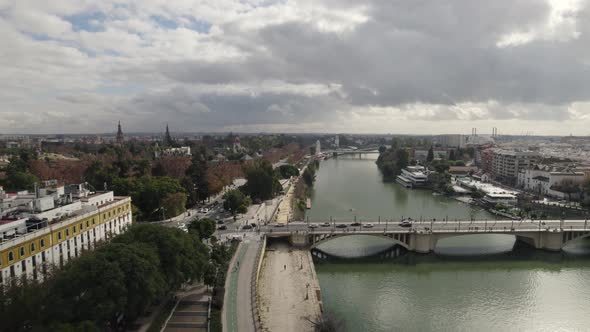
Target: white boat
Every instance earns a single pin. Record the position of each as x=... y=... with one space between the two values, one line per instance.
x=412 y=177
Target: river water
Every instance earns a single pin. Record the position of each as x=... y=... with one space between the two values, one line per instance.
x=472 y=283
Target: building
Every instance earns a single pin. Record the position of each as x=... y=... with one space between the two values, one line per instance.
x=318 y=150
x=32 y=242
x=546 y=179
x=120 y=137
x=492 y=194
x=183 y=151
x=506 y=164
x=236 y=145
x=413 y=177
x=451 y=141
x=337 y=141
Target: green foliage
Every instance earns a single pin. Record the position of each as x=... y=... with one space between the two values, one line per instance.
x=235 y=201
x=382 y=149
x=430 y=156
x=203 y=228
x=392 y=161
x=261 y=182
x=17 y=180
x=441 y=182
x=155 y=197
x=197 y=186
x=287 y=171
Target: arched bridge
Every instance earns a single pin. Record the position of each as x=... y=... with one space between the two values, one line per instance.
x=422 y=237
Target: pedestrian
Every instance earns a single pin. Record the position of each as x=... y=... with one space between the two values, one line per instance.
x=285 y=267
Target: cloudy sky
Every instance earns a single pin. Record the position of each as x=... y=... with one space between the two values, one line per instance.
x=385 y=66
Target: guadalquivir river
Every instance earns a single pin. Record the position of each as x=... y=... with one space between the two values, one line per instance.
x=471 y=283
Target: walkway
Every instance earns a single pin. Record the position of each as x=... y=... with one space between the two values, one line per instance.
x=237 y=308
x=284 y=213
x=190 y=313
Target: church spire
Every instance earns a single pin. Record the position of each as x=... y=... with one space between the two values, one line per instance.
x=167 y=137
x=119 y=134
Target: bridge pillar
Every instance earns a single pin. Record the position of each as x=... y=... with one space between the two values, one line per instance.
x=422 y=243
x=299 y=240
x=552 y=241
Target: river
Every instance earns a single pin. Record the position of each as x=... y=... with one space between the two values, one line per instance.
x=471 y=283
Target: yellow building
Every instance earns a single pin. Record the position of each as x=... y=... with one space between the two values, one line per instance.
x=31 y=246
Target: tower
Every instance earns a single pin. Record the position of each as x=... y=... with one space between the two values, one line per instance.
x=167 y=137
x=119 y=134
x=317 y=148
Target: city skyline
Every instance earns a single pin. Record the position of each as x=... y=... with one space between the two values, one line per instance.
x=297 y=67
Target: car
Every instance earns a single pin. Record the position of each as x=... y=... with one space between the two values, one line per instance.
x=222 y=227
x=368 y=225
x=355 y=224
x=220 y=222
x=405 y=223
x=253 y=224
x=246 y=227
x=326 y=224
x=279 y=225
x=341 y=226
x=204 y=210
x=313 y=226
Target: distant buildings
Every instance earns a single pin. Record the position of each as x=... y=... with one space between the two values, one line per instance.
x=183 y=151
x=318 y=150
x=451 y=141
x=413 y=177
x=507 y=163
x=549 y=180
x=48 y=227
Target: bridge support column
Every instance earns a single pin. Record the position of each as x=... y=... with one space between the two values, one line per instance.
x=299 y=240
x=422 y=243
x=552 y=241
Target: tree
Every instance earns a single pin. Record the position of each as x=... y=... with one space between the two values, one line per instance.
x=452 y=155
x=287 y=171
x=382 y=149
x=430 y=156
x=17 y=180
x=203 y=228
x=174 y=204
x=261 y=182
x=235 y=201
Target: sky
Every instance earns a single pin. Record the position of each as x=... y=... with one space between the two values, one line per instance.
x=334 y=66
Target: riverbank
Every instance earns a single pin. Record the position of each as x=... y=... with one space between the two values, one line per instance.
x=288 y=290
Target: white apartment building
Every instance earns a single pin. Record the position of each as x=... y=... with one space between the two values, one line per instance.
x=544 y=179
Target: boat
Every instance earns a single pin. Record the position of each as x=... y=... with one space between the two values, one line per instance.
x=412 y=177
x=308 y=204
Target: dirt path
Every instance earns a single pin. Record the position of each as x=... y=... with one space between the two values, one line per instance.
x=287 y=299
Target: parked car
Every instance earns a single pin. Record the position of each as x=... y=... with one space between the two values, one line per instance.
x=246 y=227
x=279 y=225
x=341 y=226
x=220 y=222
x=222 y=227
x=326 y=224
x=355 y=224
x=368 y=225
x=253 y=224
x=313 y=226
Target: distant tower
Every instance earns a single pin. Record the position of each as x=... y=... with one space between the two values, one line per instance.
x=337 y=141
x=237 y=146
x=317 y=148
x=119 y=134
x=167 y=137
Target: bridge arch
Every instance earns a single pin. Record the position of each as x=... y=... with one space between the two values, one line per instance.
x=569 y=237
x=402 y=240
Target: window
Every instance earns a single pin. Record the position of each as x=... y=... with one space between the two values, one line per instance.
x=33 y=246
x=10 y=256
x=24 y=266
x=74 y=229
x=43 y=257
x=42 y=243
x=87 y=224
x=12 y=274
x=22 y=251
x=93 y=221
x=59 y=235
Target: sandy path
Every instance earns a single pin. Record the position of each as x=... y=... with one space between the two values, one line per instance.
x=285 y=300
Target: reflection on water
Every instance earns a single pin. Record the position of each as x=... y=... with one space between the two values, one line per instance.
x=482 y=282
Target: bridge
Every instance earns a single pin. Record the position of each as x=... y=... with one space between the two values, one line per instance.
x=353 y=151
x=422 y=237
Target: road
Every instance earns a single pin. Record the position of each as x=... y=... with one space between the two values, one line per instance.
x=426 y=226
